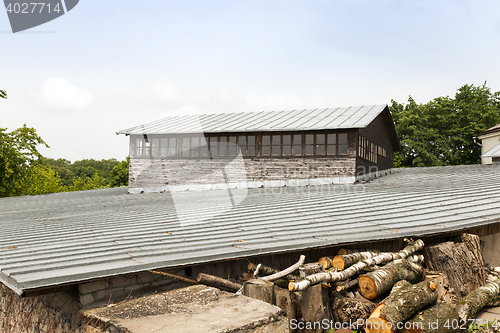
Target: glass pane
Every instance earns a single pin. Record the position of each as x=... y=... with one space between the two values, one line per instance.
x=276 y=150
x=213 y=146
x=297 y=139
x=342 y=138
x=251 y=140
x=332 y=138
x=287 y=140
x=232 y=139
x=155 y=144
x=342 y=149
x=320 y=139
x=242 y=141
x=251 y=151
x=164 y=147
x=297 y=150
x=276 y=140
x=331 y=149
x=266 y=150
x=287 y=150
x=266 y=140
x=223 y=146
x=172 y=146
x=309 y=139
x=195 y=146
x=320 y=150
x=309 y=149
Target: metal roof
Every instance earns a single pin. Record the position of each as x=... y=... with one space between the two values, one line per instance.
x=493 y=152
x=54 y=239
x=307 y=119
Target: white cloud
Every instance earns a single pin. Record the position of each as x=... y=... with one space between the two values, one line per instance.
x=59 y=94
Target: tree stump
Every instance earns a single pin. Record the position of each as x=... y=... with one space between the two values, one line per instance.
x=348 y=310
x=312 y=268
x=312 y=308
x=462 y=262
x=259 y=289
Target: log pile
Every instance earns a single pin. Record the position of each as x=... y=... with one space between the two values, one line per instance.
x=380 y=289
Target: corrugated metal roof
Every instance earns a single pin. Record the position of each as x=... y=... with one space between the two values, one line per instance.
x=307 y=119
x=493 y=152
x=62 y=238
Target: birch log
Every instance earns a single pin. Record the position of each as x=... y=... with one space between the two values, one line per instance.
x=266 y=270
x=406 y=300
x=285 y=272
x=330 y=276
x=341 y=262
x=376 y=283
x=447 y=318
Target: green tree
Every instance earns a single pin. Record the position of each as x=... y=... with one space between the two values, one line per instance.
x=119 y=175
x=442 y=131
x=3 y=94
x=18 y=155
x=91 y=183
x=41 y=180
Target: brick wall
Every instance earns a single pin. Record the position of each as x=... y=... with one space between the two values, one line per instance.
x=161 y=172
x=118 y=288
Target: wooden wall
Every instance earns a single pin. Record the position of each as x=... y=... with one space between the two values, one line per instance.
x=161 y=172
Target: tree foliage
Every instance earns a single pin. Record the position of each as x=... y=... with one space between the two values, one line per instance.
x=442 y=131
x=3 y=94
x=119 y=175
x=18 y=157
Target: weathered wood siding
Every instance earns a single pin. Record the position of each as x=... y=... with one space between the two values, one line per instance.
x=378 y=133
x=161 y=172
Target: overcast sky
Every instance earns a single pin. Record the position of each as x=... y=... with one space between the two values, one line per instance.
x=110 y=65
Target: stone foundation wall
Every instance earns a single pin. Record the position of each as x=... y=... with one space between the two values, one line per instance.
x=111 y=290
x=51 y=313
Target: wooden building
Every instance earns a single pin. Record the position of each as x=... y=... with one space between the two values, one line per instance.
x=278 y=148
x=490 y=139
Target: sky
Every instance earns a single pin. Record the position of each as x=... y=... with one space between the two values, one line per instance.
x=110 y=65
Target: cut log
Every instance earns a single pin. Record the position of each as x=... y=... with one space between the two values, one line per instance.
x=259 y=289
x=416 y=258
x=462 y=262
x=283 y=299
x=312 y=308
x=342 y=252
x=406 y=300
x=266 y=270
x=330 y=276
x=444 y=318
x=341 y=262
x=376 y=283
x=218 y=282
x=309 y=269
x=285 y=272
x=349 y=310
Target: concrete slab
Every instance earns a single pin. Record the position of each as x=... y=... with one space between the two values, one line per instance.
x=489 y=313
x=193 y=309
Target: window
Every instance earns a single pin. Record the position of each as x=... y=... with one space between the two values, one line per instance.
x=185 y=147
x=287 y=145
x=250 y=145
x=172 y=146
x=331 y=144
x=223 y=146
x=155 y=147
x=266 y=145
x=163 y=147
x=276 y=147
x=320 y=145
x=213 y=146
x=369 y=150
x=195 y=146
x=297 y=145
x=309 y=144
x=232 y=148
x=342 y=147
x=138 y=147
